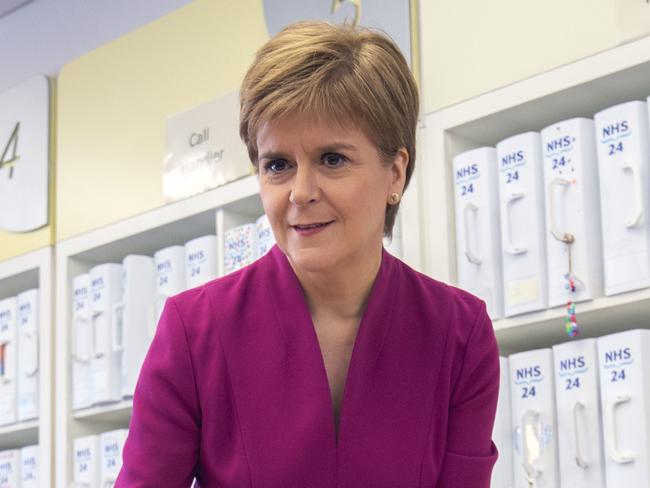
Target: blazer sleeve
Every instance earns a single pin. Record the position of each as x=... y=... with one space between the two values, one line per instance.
x=162 y=446
x=470 y=453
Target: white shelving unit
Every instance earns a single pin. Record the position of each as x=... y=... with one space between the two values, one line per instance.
x=578 y=89
x=212 y=212
x=35 y=270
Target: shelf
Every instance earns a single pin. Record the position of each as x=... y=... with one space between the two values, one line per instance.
x=116 y=413
x=19 y=435
x=35 y=270
x=579 y=89
x=173 y=224
x=598 y=317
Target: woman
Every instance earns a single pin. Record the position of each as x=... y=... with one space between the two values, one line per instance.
x=327 y=362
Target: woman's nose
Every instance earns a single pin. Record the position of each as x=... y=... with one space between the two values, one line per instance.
x=305 y=187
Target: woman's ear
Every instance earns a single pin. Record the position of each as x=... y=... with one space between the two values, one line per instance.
x=398 y=170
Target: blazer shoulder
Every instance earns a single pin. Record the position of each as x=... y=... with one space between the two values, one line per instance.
x=458 y=308
x=222 y=296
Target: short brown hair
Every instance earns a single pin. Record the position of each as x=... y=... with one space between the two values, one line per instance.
x=352 y=73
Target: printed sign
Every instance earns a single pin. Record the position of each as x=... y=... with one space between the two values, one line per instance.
x=24 y=155
x=204 y=150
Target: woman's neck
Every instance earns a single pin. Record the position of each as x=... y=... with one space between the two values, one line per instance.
x=341 y=293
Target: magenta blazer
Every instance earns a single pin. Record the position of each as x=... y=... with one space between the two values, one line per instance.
x=233 y=390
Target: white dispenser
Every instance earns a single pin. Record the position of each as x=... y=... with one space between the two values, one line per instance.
x=82 y=341
x=532 y=391
x=240 y=245
x=478 y=231
x=8 y=361
x=572 y=211
x=200 y=260
x=623 y=160
x=135 y=317
x=579 y=426
x=106 y=360
x=394 y=245
x=265 y=237
x=625 y=394
x=29 y=467
x=112 y=444
x=86 y=462
x=521 y=203
x=502 y=473
x=10 y=468
x=28 y=319
x=170 y=275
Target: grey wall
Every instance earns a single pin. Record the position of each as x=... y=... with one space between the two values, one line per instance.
x=43 y=35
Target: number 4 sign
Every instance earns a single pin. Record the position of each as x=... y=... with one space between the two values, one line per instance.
x=24 y=155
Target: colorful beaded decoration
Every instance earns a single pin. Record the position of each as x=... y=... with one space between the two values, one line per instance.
x=572 y=328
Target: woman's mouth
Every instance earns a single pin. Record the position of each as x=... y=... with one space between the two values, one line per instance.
x=309 y=229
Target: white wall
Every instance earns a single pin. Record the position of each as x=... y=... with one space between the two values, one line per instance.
x=43 y=35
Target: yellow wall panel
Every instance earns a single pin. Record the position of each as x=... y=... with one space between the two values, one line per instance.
x=113 y=103
x=470 y=47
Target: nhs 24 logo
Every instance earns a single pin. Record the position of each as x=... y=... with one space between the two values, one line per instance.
x=466 y=177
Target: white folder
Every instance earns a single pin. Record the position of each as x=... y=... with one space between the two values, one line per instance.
x=106 y=360
x=624 y=174
x=135 y=317
x=625 y=395
x=170 y=275
x=10 y=468
x=82 y=341
x=478 y=231
x=394 y=245
x=28 y=330
x=200 y=260
x=8 y=361
x=265 y=237
x=240 y=247
x=112 y=444
x=29 y=467
x=521 y=204
x=577 y=395
x=86 y=462
x=502 y=473
x=572 y=211
x=534 y=421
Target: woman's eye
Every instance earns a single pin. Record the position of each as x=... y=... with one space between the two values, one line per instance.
x=276 y=165
x=333 y=160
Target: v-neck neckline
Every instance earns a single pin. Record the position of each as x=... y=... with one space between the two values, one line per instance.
x=302 y=344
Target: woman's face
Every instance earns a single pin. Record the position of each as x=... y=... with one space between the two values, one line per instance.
x=325 y=188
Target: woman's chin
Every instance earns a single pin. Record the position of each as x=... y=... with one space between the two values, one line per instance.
x=311 y=260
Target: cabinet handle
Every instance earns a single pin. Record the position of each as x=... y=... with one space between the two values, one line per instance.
x=510 y=247
x=160 y=303
x=96 y=352
x=29 y=372
x=76 y=355
x=612 y=434
x=117 y=328
x=580 y=460
x=565 y=237
x=471 y=257
x=532 y=448
x=638 y=198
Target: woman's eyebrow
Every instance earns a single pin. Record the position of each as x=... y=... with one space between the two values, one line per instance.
x=272 y=155
x=331 y=147
x=337 y=146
